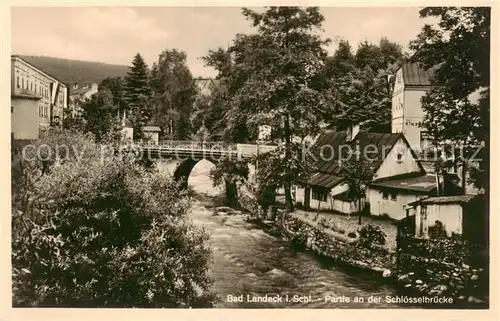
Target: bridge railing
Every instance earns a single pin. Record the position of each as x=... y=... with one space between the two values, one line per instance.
x=196 y=145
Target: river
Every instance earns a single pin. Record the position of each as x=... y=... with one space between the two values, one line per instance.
x=247 y=261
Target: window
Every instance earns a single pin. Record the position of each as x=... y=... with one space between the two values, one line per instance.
x=35 y=88
x=31 y=86
x=385 y=195
x=17 y=82
x=400 y=157
x=393 y=196
x=423 y=218
x=319 y=195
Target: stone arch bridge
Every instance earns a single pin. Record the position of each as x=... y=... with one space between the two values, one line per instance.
x=188 y=153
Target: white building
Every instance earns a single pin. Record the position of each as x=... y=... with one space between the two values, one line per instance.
x=410 y=84
x=78 y=95
x=399 y=178
x=449 y=212
x=38 y=99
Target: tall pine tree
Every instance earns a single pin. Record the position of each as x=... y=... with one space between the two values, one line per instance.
x=138 y=94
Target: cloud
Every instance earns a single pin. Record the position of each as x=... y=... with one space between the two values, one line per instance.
x=105 y=23
x=110 y=35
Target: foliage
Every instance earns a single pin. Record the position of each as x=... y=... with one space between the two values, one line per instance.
x=70 y=71
x=229 y=170
x=137 y=95
x=357 y=173
x=360 y=89
x=136 y=82
x=73 y=123
x=277 y=79
x=457 y=50
x=100 y=114
x=174 y=93
x=370 y=235
x=116 y=86
x=94 y=230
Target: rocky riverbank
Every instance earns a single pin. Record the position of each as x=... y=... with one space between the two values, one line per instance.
x=462 y=283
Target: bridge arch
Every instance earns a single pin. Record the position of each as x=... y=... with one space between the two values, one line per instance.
x=183 y=171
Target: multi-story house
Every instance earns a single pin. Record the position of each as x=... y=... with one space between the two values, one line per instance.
x=411 y=83
x=78 y=95
x=38 y=99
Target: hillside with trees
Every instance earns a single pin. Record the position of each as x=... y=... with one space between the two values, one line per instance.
x=76 y=71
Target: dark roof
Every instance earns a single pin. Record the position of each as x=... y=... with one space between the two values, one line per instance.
x=423 y=183
x=329 y=142
x=324 y=180
x=460 y=199
x=414 y=74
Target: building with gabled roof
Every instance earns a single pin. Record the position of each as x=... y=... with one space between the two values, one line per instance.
x=409 y=85
x=399 y=178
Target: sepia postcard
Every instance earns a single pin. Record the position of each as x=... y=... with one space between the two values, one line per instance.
x=241 y=158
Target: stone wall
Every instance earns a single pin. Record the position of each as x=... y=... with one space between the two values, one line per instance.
x=336 y=246
x=447 y=267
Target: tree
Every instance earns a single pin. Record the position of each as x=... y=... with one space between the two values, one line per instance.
x=100 y=114
x=174 y=93
x=94 y=231
x=359 y=84
x=138 y=95
x=232 y=173
x=457 y=49
x=358 y=174
x=220 y=116
x=277 y=79
x=116 y=86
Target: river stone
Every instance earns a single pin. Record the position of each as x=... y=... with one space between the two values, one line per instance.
x=474 y=277
x=419 y=281
x=386 y=273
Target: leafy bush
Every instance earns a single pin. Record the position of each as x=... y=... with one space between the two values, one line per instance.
x=370 y=235
x=351 y=234
x=95 y=230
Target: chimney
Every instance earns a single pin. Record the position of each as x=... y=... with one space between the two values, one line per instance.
x=352 y=131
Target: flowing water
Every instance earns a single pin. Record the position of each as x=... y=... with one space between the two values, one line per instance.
x=249 y=262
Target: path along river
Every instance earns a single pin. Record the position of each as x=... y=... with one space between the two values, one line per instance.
x=249 y=262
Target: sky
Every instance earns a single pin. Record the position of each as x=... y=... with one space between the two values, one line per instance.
x=115 y=34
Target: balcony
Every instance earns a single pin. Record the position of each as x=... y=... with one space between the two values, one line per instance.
x=26 y=93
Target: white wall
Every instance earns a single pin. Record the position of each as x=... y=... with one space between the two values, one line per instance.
x=24 y=118
x=251 y=149
x=331 y=203
x=300 y=194
x=449 y=214
x=413 y=114
x=128 y=133
x=346 y=207
x=391 y=166
x=398 y=103
x=395 y=209
x=322 y=205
